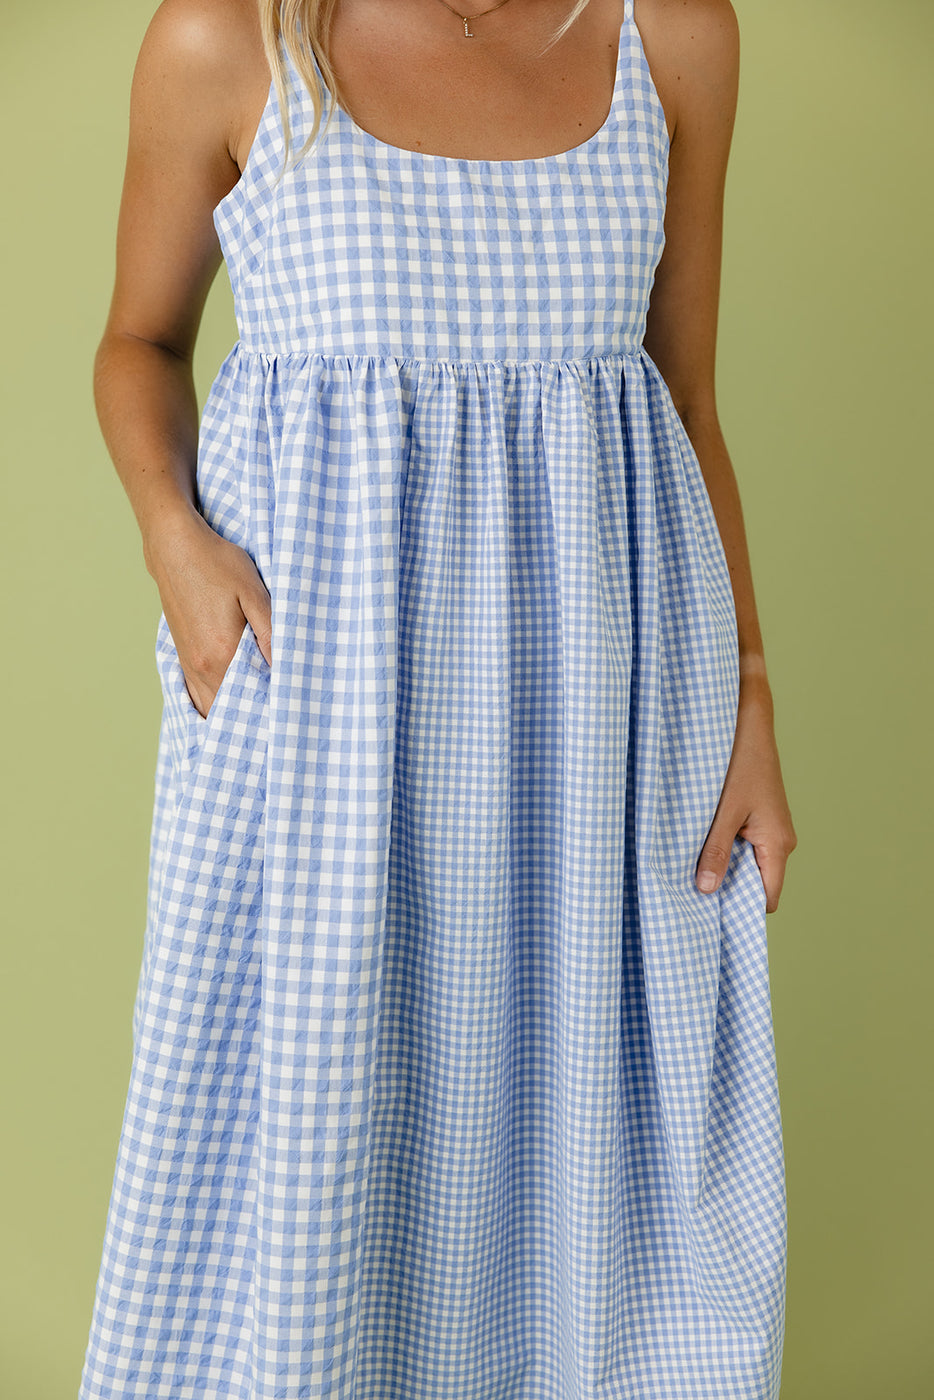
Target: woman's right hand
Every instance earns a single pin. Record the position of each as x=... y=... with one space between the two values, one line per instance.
x=210 y=588
x=199 y=86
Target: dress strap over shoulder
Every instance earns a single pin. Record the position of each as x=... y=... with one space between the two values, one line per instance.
x=627 y=10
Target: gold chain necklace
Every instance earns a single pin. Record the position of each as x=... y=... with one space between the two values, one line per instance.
x=465 y=18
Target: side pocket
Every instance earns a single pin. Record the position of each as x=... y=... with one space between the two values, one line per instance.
x=743 y=880
x=244 y=682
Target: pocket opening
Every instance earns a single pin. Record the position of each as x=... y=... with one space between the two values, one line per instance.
x=189 y=728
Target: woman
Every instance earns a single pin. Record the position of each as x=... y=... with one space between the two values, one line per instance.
x=453 y=1068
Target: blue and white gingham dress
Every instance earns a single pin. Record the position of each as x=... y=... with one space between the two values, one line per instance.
x=448 y=1084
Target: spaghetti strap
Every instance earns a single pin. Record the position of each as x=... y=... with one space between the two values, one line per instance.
x=627 y=10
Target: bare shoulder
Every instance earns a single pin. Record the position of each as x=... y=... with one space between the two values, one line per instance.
x=214 y=38
x=692 y=47
x=208 y=56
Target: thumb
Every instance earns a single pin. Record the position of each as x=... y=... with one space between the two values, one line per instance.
x=258 y=613
x=715 y=856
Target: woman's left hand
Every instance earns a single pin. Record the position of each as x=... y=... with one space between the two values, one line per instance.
x=752 y=804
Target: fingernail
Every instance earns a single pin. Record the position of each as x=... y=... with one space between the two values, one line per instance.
x=707 y=881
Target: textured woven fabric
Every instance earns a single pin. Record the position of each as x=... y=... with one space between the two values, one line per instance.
x=447 y=1082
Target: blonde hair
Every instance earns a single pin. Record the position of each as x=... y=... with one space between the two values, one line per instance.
x=301 y=28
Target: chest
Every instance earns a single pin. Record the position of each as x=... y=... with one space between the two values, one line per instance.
x=368 y=247
x=414 y=80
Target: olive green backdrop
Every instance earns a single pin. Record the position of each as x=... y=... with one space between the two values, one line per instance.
x=824 y=382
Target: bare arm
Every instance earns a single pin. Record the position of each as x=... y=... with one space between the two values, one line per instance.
x=186 y=128
x=702 y=48
x=697 y=48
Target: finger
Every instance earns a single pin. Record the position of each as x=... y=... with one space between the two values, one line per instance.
x=715 y=856
x=198 y=704
x=772 y=870
x=258 y=613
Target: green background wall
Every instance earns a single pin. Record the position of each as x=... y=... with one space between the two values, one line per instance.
x=825 y=375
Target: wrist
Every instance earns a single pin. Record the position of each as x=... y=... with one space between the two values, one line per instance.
x=166 y=533
x=752 y=664
x=753 y=681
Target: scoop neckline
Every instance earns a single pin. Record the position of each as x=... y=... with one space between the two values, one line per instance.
x=488 y=162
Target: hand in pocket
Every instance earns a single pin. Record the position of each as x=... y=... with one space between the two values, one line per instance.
x=210 y=590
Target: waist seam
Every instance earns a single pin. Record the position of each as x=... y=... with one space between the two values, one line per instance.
x=361 y=357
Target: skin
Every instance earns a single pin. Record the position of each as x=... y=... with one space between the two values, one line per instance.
x=198 y=93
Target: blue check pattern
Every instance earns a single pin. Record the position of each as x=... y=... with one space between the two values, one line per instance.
x=447 y=1082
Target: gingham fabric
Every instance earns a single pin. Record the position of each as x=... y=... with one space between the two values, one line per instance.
x=447 y=1082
